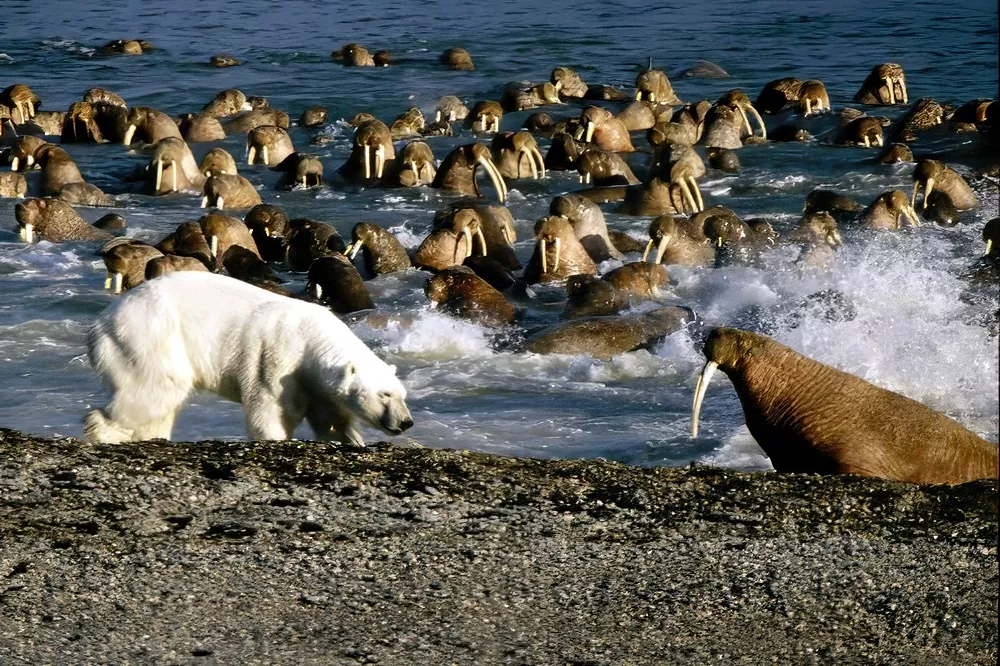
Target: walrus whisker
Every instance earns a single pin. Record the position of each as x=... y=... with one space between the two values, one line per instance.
x=699 y=394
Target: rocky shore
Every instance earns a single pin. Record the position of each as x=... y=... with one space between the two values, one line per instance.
x=311 y=553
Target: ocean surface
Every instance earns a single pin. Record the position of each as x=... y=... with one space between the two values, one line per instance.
x=920 y=324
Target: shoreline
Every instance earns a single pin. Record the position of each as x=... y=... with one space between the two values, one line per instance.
x=305 y=552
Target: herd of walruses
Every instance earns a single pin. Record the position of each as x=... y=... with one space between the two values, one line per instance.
x=808 y=417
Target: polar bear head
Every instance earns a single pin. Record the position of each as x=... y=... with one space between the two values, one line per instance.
x=377 y=397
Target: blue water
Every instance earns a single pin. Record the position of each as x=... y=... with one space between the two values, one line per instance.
x=917 y=331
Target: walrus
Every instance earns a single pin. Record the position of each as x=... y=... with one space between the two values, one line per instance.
x=924 y=115
x=300 y=169
x=886 y=84
x=80 y=124
x=887 y=209
x=126 y=47
x=13 y=185
x=516 y=155
x=941 y=210
x=354 y=55
x=840 y=206
x=931 y=174
x=245 y=265
x=652 y=85
x=172 y=263
x=268 y=225
x=813 y=98
x=382 y=58
x=84 y=194
x=604 y=168
x=895 y=153
x=49 y=122
x=819 y=236
x=381 y=251
x=125 y=260
x=441 y=249
x=224 y=61
x=457 y=59
x=308 y=240
x=54 y=221
x=223 y=232
x=199 y=128
x=812 y=418
x=111 y=222
x=563 y=153
x=599 y=126
x=172 y=168
x=590 y=296
x=484 y=117
x=991 y=237
x=778 y=94
x=258 y=117
x=588 y=223
x=458 y=291
x=217 y=161
x=22 y=153
x=22 y=102
x=558 y=253
x=149 y=125
x=677 y=243
x=656 y=196
x=58 y=169
x=723 y=159
x=372 y=153
x=104 y=96
x=638 y=279
x=570 y=84
x=335 y=282
x=407 y=124
x=268 y=144
x=188 y=240
x=416 y=165
x=492 y=271
x=227 y=103
x=864 y=131
x=450 y=109
x=493 y=227
x=603 y=338
x=460 y=167
x=229 y=191
x=313 y=116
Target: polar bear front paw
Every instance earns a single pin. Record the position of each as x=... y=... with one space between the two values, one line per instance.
x=97 y=428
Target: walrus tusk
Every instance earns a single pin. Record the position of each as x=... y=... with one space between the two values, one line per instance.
x=760 y=121
x=638 y=95
x=467 y=235
x=928 y=188
x=541 y=160
x=14 y=162
x=214 y=246
x=878 y=140
x=989 y=246
x=834 y=239
x=590 y=131
x=431 y=172
x=246 y=107
x=508 y=234
x=118 y=283
x=699 y=394
x=746 y=121
x=585 y=178
x=251 y=153
x=29 y=161
x=159 y=175
x=368 y=166
x=219 y=201
x=416 y=173
x=28 y=232
x=494 y=176
x=379 y=160
x=868 y=143
x=649 y=246
x=661 y=249
x=652 y=97
x=482 y=240
x=889 y=85
x=31 y=108
x=902 y=87
x=129 y=133
x=496 y=124
x=263 y=153
x=542 y=245
x=916 y=188
x=204 y=201
x=808 y=102
x=579 y=132
x=697 y=193
x=317 y=291
x=718 y=241
x=107 y=282
x=305 y=180
x=911 y=215
x=558 y=243
x=688 y=197
x=173 y=174
x=437 y=118
x=353 y=249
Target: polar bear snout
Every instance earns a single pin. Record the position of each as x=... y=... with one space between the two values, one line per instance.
x=396 y=417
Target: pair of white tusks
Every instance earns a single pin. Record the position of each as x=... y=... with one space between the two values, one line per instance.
x=352 y=250
x=889 y=84
x=911 y=215
x=585 y=132
x=746 y=121
x=544 y=247
x=129 y=133
x=379 y=161
x=417 y=170
x=28 y=233
x=468 y=242
x=16 y=162
x=20 y=108
x=252 y=153
x=117 y=279
x=494 y=125
x=218 y=202
x=687 y=184
x=699 y=394
x=533 y=155
x=494 y=175
x=928 y=188
x=159 y=175
x=810 y=109
x=451 y=117
x=868 y=141
x=651 y=96
x=661 y=248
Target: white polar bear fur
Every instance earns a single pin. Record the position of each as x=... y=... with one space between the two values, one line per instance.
x=284 y=359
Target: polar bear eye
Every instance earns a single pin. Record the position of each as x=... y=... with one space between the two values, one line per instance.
x=384 y=395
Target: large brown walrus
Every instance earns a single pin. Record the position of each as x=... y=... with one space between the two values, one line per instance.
x=886 y=84
x=381 y=251
x=558 y=253
x=812 y=418
x=229 y=191
x=460 y=292
x=457 y=59
x=931 y=174
x=606 y=337
x=268 y=144
x=223 y=232
x=126 y=261
x=460 y=167
x=187 y=240
x=493 y=227
x=172 y=263
x=54 y=221
x=149 y=125
x=172 y=167
x=334 y=281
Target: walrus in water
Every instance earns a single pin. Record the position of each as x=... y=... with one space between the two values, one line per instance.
x=223 y=232
x=723 y=159
x=149 y=125
x=812 y=418
x=887 y=209
x=895 y=153
x=300 y=169
x=603 y=168
x=371 y=152
x=607 y=132
x=410 y=123
x=638 y=279
x=13 y=185
x=604 y=338
x=886 y=85
x=84 y=194
x=484 y=117
x=931 y=174
x=460 y=167
x=54 y=221
x=382 y=252
x=569 y=82
x=268 y=225
x=354 y=55
x=268 y=144
x=416 y=165
x=22 y=153
x=259 y=117
x=172 y=168
x=839 y=206
x=450 y=109
x=172 y=263
x=314 y=116
x=199 y=128
x=217 y=161
x=778 y=94
x=21 y=101
x=460 y=292
x=308 y=240
x=224 y=61
x=558 y=253
x=516 y=155
x=58 y=168
x=335 y=282
x=677 y=243
x=590 y=296
x=80 y=124
x=588 y=223
x=188 y=240
x=442 y=249
x=126 y=261
x=492 y=227
x=227 y=103
x=940 y=210
x=245 y=265
x=864 y=131
x=563 y=153
x=229 y=191
x=457 y=59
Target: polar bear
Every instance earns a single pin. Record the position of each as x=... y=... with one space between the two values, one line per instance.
x=283 y=359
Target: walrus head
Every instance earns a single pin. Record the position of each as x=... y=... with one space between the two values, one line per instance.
x=726 y=348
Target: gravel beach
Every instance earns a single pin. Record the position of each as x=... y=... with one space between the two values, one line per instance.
x=312 y=553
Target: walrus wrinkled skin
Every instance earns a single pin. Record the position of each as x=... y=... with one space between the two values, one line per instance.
x=217 y=161
x=54 y=221
x=335 y=282
x=314 y=116
x=354 y=55
x=588 y=223
x=13 y=185
x=491 y=226
x=229 y=192
x=21 y=102
x=308 y=240
x=601 y=168
x=778 y=94
x=887 y=210
x=840 y=206
x=245 y=265
x=484 y=117
x=895 y=153
x=126 y=261
x=677 y=243
x=457 y=59
x=416 y=165
x=199 y=128
x=407 y=124
x=441 y=249
x=268 y=225
x=84 y=194
x=227 y=103
x=372 y=153
x=148 y=125
x=80 y=124
x=258 y=117
x=563 y=153
x=924 y=115
x=188 y=240
x=603 y=338
x=933 y=174
x=590 y=296
x=460 y=292
x=224 y=61
x=812 y=418
x=865 y=131
x=516 y=155
x=58 y=168
x=172 y=168
x=654 y=197
x=450 y=109
x=460 y=167
x=607 y=132
x=172 y=263
x=380 y=250
x=569 y=83
x=885 y=85
x=269 y=145
x=223 y=232
x=558 y=253
x=652 y=85
x=300 y=169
